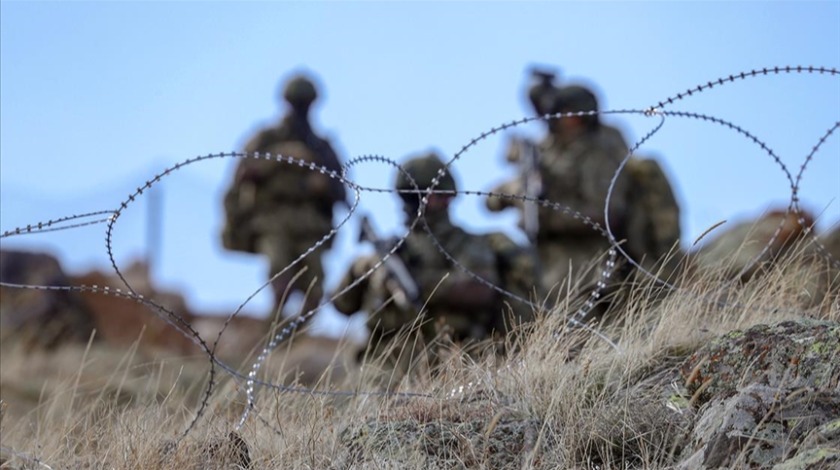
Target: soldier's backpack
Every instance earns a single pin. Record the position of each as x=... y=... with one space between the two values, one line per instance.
x=236 y=231
x=653 y=215
x=270 y=181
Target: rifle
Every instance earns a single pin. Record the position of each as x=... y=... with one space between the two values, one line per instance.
x=532 y=185
x=399 y=281
x=541 y=94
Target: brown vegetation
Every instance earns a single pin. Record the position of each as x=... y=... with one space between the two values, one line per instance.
x=561 y=399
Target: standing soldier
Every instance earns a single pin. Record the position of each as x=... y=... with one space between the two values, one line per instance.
x=438 y=299
x=282 y=210
x=576 y=163
x=573 y=166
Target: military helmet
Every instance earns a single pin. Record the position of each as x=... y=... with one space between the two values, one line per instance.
x=576 y=98
x=300 y=91
x=423 y=169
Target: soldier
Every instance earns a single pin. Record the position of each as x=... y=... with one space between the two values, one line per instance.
x=444 y=301
x=281 y=210
x=577 y=161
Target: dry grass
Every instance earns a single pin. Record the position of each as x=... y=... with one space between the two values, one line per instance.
x=557 y=401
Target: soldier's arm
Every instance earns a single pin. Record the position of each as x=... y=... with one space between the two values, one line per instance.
x=513 y=154
x=339 y=192
x=249 y=169
x=336 y=192
x=498 y=203
x=450 y=287
x=259 y=141
x=352 y=301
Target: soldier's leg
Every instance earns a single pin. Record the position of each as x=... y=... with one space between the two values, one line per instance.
x=310 y=282
x=276 y=247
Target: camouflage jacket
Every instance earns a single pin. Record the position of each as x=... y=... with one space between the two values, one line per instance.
x=444 y=287
x=577 y=174
x=293 y=138
x=267 y=195
x=644 y=210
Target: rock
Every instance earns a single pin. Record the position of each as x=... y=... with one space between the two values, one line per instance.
x=40 y=317
x=120 y=319
x=780 y=244
x=231 y=452
x=477 y=431
x=759 y=426
x=242 y=337
x=768 y=395
x=740 y=250
x=790 y=354
x=821 y=449
x=814 y=459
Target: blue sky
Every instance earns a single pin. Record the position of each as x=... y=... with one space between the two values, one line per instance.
x=97 y=97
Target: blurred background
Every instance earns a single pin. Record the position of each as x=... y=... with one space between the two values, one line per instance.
x=97 y=98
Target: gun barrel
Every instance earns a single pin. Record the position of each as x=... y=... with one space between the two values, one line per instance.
x=532 y=185
x=396 y=268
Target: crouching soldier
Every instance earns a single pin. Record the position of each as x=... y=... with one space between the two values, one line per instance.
x=419 y=296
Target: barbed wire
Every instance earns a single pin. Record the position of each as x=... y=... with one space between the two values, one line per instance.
x=251 y=380
x=795 y=195
x=58 y=224
x=743 y=76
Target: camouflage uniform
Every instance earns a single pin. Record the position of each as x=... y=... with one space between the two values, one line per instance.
x=652 y=219
x=454 y=304
x=576 y=172
x=281 y=210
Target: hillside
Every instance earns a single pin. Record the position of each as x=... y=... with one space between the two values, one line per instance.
x=715 y=374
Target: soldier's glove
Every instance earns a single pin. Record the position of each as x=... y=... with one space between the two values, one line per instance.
x=500 y=203
x=513 y=152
